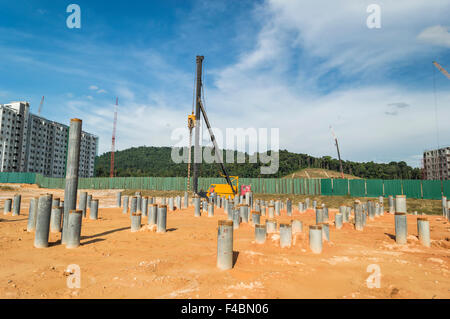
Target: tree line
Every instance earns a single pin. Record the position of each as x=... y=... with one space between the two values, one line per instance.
x=157 y=161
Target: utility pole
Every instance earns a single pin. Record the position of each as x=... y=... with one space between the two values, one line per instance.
x=339 y=154
x=340 y=161
x=443 y=71
x=198 y=96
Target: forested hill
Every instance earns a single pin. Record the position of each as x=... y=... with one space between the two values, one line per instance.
x=156 y=161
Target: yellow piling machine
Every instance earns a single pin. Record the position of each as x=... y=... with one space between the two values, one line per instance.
x=232 y=186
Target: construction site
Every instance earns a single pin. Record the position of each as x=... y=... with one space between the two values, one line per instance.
x=117 y=261
x=221 y=238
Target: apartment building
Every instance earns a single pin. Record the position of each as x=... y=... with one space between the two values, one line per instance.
x=31 y=143
x=436 y=164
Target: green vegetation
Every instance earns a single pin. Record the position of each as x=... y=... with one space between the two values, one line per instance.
x=156 y=161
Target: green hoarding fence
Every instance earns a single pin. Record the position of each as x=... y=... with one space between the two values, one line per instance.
x=446 y=185
x=297 y=186
x=374 y=187
x=340 y=187
x=17 y=178
x=357 y=187
x=431 y=189
x=392 y=187
x=326 y=187
x=412 y=188
x=427 y=189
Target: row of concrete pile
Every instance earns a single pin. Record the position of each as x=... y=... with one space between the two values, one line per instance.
x=144 y=206
x=319 y=232
x=445 y=207
x=12 y=205
x=46 y=214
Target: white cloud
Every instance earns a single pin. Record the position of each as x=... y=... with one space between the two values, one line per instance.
x=125 y=93
x=137 y=125
x=400 y=105
x=310 y=39
x=314 y=38
x=437 y=35
x=276 y=82
x=96 y=88
x=255 y=91
x=357 y=115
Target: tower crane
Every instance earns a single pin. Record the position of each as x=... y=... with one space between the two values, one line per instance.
x=40 y=106
x=440 y=68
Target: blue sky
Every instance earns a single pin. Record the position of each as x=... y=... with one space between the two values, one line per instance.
x=300 y=66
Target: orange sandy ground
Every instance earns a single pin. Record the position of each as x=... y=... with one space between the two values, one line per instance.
x=181 y=263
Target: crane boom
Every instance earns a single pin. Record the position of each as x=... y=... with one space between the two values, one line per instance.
x=216 y=150
x=113 y=143
x=40 y=106
x=194 y=121
x=440 y=68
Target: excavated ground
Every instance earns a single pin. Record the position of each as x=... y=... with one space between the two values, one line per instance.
x=181 y=263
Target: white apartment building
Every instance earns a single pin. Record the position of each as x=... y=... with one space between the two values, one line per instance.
x=30 y=143
x=436 y=164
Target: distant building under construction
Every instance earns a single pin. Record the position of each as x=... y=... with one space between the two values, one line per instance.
x=31 y=143
x=436 y=164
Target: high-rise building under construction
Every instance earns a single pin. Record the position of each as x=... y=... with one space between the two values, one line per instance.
x=436 y=164
x=31 y=143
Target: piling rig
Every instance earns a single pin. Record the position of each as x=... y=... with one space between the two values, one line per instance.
x=338 y=152
x=194 y=120
x=191 y=125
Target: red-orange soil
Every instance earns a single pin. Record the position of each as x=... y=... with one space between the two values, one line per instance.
x=181 y=263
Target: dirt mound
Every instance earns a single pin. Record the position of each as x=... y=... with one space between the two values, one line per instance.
x=318 y=173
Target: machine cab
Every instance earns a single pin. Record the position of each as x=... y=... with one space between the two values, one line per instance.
x=211 y=190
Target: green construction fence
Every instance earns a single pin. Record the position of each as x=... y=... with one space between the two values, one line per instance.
x=392 y=187
x=341 y=187
x=357 y=187
x=374 y=187
x=259 y=185
x=426 y=189
x=421 y=189
x=17 y=178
